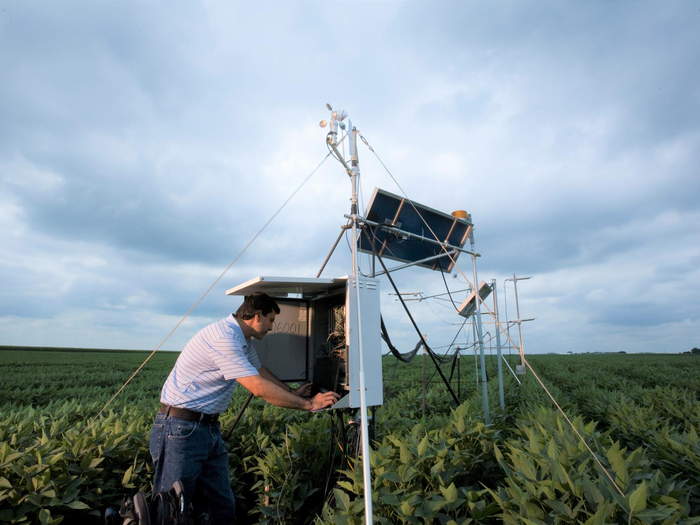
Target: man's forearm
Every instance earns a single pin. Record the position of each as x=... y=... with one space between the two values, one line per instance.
x=265 y=373
x=275 y=394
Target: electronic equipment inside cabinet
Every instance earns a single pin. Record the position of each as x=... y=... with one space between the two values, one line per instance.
x=323 y=333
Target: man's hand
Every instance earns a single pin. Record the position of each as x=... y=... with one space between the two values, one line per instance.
x=304 y=390
x=282 y=397
x=323 y=400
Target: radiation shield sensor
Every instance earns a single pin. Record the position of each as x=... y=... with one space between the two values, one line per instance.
x=468 y=306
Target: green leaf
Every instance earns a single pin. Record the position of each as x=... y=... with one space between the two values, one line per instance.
x=404 y=453
x=11 y=457
x=437 y=468
x=459 y=424
x=78 y=505
x=34 y=499
x=598 y=518
x=638 y=499
x=617 y=463
x=44 y=517
x=653 y=515
x=423 y=445
x=390 y=499
x=437 y=504
x=127 y=475
x=392 y=476
x=531 y=522
x=560 y=508
x=450 y=493
x=346 y=485
x=342 y=500
x=56 y=458
x=593 y=495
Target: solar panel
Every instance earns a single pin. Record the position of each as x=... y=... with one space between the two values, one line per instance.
x=408 y=216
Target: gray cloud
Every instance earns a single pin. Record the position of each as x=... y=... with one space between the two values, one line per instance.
x=142 y=147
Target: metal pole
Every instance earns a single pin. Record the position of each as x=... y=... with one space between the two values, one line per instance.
x=459 y=378
x=478 y=300
x=363 y=391
x=414 y=263
x=484 y=385
x=520 y=331
x=353 y=201
x=511 y=370
x=343 y=229
x=476 y=357
x=423 y=404
x=498 y=344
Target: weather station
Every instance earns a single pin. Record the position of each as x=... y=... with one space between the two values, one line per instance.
x=329 y=330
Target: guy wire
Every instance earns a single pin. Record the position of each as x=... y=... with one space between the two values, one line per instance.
x=208 y=290
x=477 y=297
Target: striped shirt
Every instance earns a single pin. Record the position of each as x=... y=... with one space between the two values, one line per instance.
x=204 y=376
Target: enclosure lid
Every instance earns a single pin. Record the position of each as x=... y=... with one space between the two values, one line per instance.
x=283 y=286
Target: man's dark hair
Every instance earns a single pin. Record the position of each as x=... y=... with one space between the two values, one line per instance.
x=254 y=302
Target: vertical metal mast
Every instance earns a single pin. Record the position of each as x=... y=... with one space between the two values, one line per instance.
x=498 y=343
x=520 y=330
x=355 y=169
x=519 y=321
x=480 y=331
x=354 y=172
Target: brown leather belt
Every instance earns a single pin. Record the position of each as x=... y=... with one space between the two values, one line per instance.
x=189 y=415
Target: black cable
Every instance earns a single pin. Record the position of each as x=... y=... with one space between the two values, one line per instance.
x=454 y=362
x=451 y=359
x=331 y=456
x=446 y=287
x=405 y=357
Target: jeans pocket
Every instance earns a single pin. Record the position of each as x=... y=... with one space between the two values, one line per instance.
x=154 y=441
x=181 y=428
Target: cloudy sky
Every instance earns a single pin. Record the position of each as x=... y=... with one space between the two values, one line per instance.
x=144 y=144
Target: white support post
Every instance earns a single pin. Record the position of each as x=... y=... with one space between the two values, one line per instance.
x=479 y=329
x=520 y=330
x=354 y=163
x=498 y=344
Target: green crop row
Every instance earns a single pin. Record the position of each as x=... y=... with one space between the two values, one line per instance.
x=528 y=466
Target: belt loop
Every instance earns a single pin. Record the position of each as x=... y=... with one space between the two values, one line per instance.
x=167 y=411
x=202 y=416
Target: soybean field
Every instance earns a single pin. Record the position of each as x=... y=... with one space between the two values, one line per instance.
x=432 y=461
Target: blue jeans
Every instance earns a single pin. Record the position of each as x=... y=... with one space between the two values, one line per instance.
x=194 y=454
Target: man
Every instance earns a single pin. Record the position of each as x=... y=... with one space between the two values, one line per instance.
x=185 y=441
